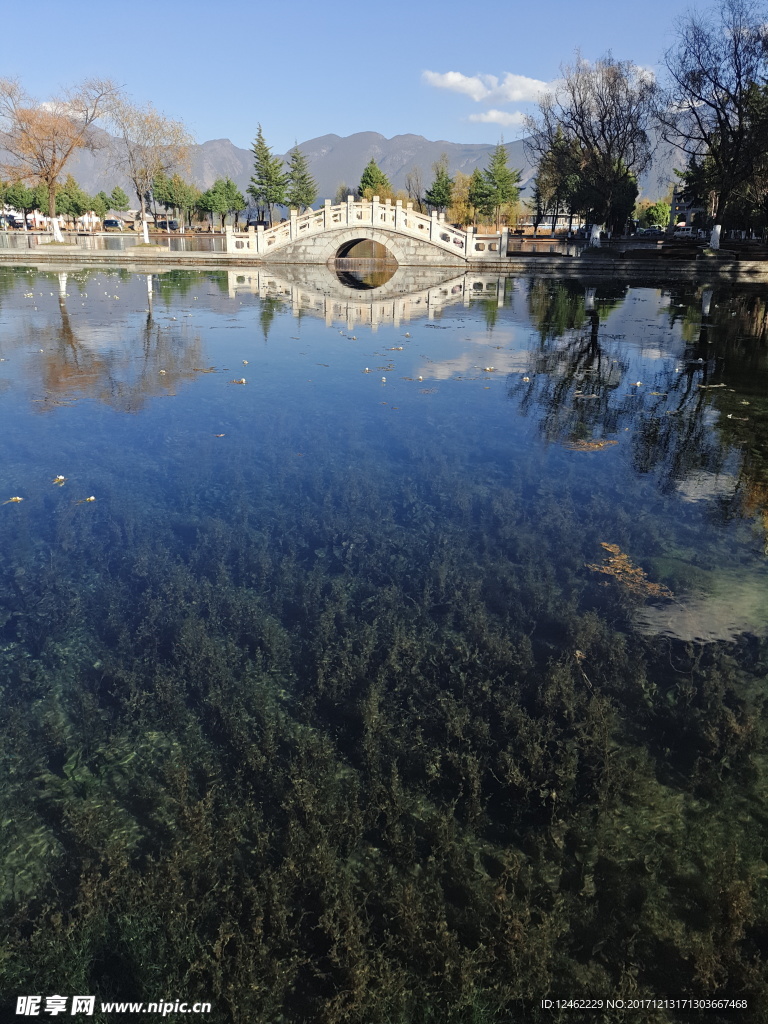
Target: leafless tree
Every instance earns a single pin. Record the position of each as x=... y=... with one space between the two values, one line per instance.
x=146 y=144
x=342 y=191
x=41 y=137
x=414 y=186
x=712 y=106
x=600 y=113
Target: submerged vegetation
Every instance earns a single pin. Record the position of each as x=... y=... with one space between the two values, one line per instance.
x=335 y=728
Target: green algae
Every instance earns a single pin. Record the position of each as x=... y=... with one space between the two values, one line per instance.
x=343 y=739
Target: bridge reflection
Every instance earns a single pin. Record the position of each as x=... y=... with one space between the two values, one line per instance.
x=404 y=294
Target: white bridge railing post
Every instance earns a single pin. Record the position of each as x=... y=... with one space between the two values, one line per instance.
x=294 y=230
x=350 y=204
x=433 y=227
x=375 y=210
x=326 y=214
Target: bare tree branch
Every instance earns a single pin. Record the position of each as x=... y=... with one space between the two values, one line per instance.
x=41 y=137
x=708 y=109
x=147 y=144
x=598 y=117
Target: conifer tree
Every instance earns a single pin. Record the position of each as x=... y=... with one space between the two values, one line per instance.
x=269 y=181
x=478 y=195
x=100 y=204
x=440 y=192
x=501 y=182
x=118 y=200
x=373 y=182
x=71 y=201
x=302 y=187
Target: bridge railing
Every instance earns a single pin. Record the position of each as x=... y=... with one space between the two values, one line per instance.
x=374 y=213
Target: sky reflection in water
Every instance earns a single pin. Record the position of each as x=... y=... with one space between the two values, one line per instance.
x=377 y=533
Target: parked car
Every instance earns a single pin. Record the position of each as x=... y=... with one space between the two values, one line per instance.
x=167 y=225
x=113 y=224
x=684 y=232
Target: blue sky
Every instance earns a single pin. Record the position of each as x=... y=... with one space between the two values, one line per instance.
x=450 y=70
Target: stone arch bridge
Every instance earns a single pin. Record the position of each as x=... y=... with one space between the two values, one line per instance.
x=410 y=238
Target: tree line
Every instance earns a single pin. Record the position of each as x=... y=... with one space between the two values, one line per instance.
x=595 y=132
x=590 y=139
x=148 y=147
x=487 y=193
x=176 y=196
x=39 y=139
x=490 y=193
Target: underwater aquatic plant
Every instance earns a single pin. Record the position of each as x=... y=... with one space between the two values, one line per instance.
x=333 y=739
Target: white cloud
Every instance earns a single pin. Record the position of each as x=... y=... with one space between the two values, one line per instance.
x=456 y=82
x=518 y=89
x=499 y=117
x=510 y=89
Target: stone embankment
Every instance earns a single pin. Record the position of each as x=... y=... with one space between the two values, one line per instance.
x=550 y=265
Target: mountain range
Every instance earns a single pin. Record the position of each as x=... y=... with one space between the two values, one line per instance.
x=334 y=160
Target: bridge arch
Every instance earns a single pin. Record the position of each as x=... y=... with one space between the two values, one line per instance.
x=364 y=249
x=333 y=245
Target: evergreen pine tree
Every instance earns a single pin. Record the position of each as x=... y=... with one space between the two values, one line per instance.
x=478 y=195
x=373 y=182
x=501 y=182
x=71 y=200
x=440 y=192
x=302 y=187
x=100 y=204
x=269 y=181
x=118 y=200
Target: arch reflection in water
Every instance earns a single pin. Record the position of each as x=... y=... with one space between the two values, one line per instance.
x=363 y=264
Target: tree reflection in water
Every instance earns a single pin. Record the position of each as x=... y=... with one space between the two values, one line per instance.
x=76 y=364
x=573 y=375
x=697 y=415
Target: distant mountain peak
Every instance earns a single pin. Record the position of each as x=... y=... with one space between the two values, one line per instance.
x=335 y=159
